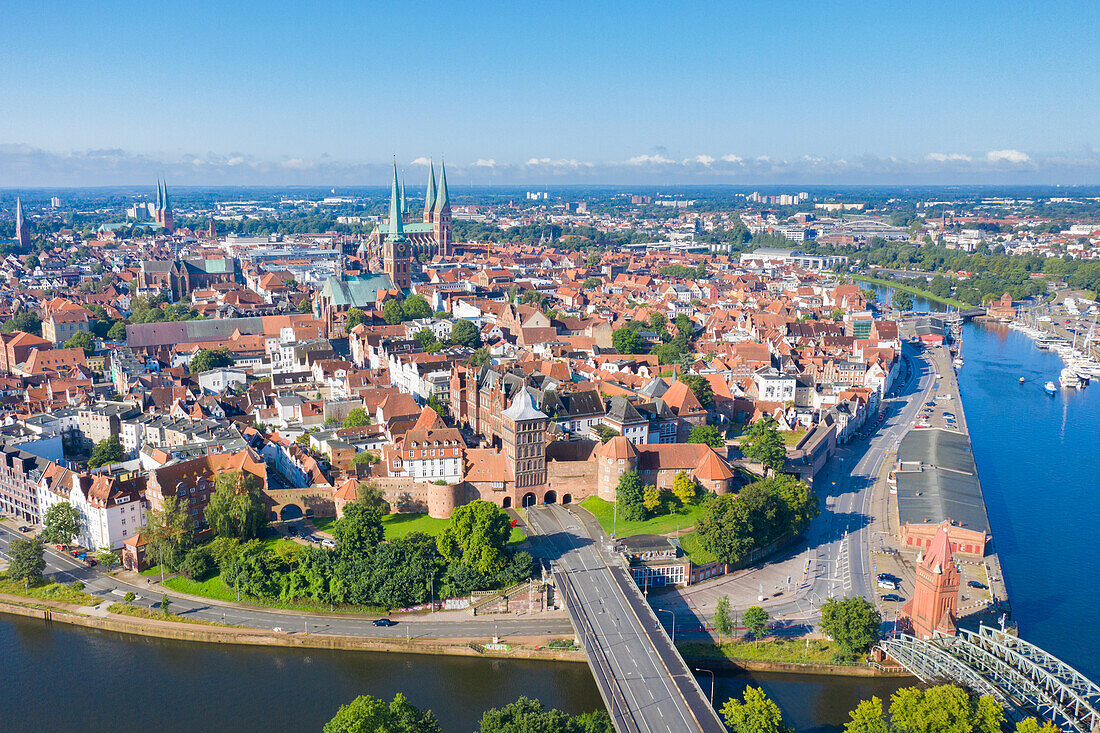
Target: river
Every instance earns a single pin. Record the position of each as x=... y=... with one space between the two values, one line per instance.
x=1038 y=465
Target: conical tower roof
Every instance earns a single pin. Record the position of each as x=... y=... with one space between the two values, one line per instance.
x=160 y=197
x=429 y=197
x=167 y=204
x=397 y=229
x=442 y=201
x=404 y=202
x=18 y=215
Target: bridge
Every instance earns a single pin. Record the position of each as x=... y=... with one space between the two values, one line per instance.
x=643 y=680
x=1023 y=678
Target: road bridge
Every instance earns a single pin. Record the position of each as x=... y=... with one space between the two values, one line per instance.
x=644 y=681
x=1023 y=678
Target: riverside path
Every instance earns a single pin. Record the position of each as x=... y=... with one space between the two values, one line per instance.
x=644 y=682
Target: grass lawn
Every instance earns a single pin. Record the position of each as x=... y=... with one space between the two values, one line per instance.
x=47 y=592
x=124 y=609
x=399 y=525
x=324 y=524
x=693 y=548
x=155 y=570
x=770 y=650
x=604 y=512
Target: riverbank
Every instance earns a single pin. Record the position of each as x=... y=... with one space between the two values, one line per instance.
x=98 y=617
x=911 y=290
x=779 y=655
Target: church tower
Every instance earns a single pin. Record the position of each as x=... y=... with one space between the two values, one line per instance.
x=934 y=607
x=164 y=208
x=396 y=258
x=429 y=197
x=523 y=436
x=22 y=231
x=442 y=215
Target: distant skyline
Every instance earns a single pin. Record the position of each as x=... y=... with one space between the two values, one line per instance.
x=207 y=93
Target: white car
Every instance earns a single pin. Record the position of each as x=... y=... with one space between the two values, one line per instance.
x=328 y=544
x=887 y=584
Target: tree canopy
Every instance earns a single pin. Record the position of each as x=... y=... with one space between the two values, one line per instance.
x=62 y=523
x=366 y=714
x=763 y=444
x=627 y=341
x=236 y=508
x=476 y=536
x=630 y=497
x=700 y=387
x=359 y=531
x=105 y=452
x=207 y=359
x=734 y=525
x=464 y=333
x=708 y=435
x=530 y=716
x=853 y=623
x=27 y=560
x=754 y=714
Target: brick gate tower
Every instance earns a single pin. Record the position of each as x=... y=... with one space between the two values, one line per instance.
x=934 y=607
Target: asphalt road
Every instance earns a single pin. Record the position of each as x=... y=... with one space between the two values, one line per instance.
x=833 y=560
x=645 y=683
x=454 y=625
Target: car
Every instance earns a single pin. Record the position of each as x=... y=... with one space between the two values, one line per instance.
x=24 y=529
x=976 y=584
x=60 y=548
x=91 y=562
x=893 y=598
x=930 y=404
x=949 y=414
x=74 y=553
x=886 y=576
x=328 y=543
x=887 y=584
x=383 y=622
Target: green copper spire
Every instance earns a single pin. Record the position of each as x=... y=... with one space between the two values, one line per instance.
x=397 y=230
x=160 y=197
x=404 y=203
x=429 y=198
x=167 y=205
x=442 y=201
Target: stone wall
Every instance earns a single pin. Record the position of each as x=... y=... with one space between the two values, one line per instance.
x=406 y=495
x=577 y=479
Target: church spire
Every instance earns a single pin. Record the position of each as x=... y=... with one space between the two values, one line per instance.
x=442 y=201
x=397 y=230
x=167 y=206
x=429 y=197
x=22 y=232
x=404 y=203
x=160 y=198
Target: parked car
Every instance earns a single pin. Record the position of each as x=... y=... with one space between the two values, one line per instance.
x=976 y=584
x=384 y=622
x=24 y=529
x=893 y=598
x=328 y=543
x=60 y=548
x=91 y=562
x=887 y=584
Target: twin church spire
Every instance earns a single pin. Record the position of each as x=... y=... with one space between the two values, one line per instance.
x=436 y=200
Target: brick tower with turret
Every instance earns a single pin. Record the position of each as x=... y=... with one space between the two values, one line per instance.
x=934 y=607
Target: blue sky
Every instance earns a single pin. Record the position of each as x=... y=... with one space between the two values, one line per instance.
x=280 y=92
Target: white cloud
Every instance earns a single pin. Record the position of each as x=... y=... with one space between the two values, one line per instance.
x=485 y=163
x=421 y=161
x=657 y=159
x=538 y=161
x=1007 y=156
x=731 y=158
x=700 y=159
x=297 y=164
x=235 y=160
x=949 y=157
x=198 y=162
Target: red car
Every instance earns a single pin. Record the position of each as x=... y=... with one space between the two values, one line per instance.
x=60 y=548
x=91 y=563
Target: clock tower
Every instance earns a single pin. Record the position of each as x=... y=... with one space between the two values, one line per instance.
x=396 y=251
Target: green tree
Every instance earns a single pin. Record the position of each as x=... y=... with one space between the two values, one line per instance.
x=651 y=498
x=207 y=359
x=372 y=497
x=198 y=564
x=366 y=714
x=708 y=435
x=392 y=313
x=591 y=283
x=464 y=333
x=592 y=259
x=27 y=560
x=480 y=357
x=427 y=340
x=439 y=407
x=757 y=714
x=129 y=597
x=353 y=318
x=683 y=487
x=236 y=508
x=305 y=305
x=627 y=341
x=357 y=417
x=853 y=623
x=170 y=530
x=23 y=320
x=629 y=495
x=868 y=717
x=364 y=457
x=107 y=559
x=530 y=716
x=105 y=452
x=415 y=306
x=359 y=531
x=1031 y=725
x=657 y=322
x=756 y=621
x=723 y=617
x=61 y=523
x=31 y=262
x=81 y=340
x=476 y=535
x=902 y=300
x=165 y=602
x=763 y=444
x=943 y=709
x=700 y=387
x=117 y=331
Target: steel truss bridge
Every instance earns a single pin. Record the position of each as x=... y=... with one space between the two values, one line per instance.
x=1023 y=678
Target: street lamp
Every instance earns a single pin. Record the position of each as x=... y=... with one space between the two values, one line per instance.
x=665 y=610
x=711 y=673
